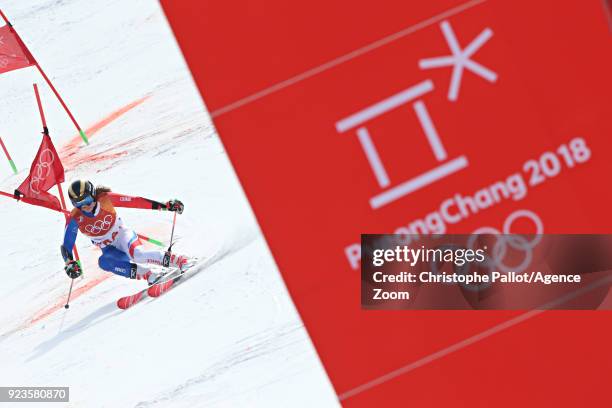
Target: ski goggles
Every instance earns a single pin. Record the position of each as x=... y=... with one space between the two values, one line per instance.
x=85 y=201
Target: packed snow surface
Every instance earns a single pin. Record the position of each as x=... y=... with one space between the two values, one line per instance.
x=230 y=336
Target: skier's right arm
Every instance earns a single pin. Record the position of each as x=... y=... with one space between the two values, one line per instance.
x=70 y=234
x=71 y=267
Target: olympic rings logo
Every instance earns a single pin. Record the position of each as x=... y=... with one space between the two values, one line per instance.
x=504 y=238
x=42 y=170
x=100 y=225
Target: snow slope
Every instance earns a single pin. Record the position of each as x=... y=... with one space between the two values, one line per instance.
x=228 y=337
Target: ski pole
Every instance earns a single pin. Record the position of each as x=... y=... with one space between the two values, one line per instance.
x=166 y=260
x=172 y=234
x=66 y=306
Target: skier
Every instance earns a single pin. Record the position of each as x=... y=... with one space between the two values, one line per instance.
x=122 y=251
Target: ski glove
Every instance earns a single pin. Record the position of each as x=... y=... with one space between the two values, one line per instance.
x=175 y=205
x=73 y=269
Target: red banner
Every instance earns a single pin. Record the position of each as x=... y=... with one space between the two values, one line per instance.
x=13 y=54
x=445 y=116
x=46 y=171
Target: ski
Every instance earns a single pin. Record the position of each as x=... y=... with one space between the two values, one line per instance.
x=168 y=281
x=129 y=301
x=157 y=289
x=160 y=288
x=126 y=302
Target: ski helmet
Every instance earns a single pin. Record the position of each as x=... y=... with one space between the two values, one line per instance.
x=81 y=193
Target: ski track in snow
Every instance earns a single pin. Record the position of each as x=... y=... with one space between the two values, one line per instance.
x=248 y=349
x=226 y=336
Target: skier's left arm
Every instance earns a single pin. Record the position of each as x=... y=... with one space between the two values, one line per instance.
x=122 y=200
